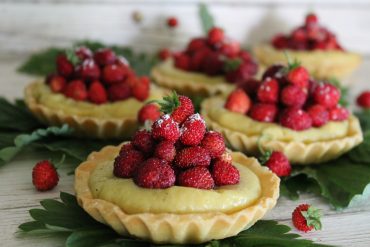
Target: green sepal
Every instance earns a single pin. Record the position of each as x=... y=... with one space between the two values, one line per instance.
x=169 y=103
x=232 y=64
x=72 y=57
x=312 y=216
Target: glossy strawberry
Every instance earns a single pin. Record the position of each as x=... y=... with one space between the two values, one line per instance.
x=215 y=36
x=57 y=83
x=127 y=162
x=363 y=100
x=238 y=101
x=105 y=56
x=155 y=174
x=44 y=176
x=193 y=130
x=264 y=112
x=214 y=143
x=338 y=113
x=192 y=156
x=165 y=150
x=295 y=119
x=268 y=91
x=196 y=177
x=97 y=93
x=113 y=73
x=306 y=218
x=326 y=95
x=119 y=91
x=76 y=90
x=299 y=76
x=165 y=128
x=224 y=173
x=88 y=70
x=279 y=164
x=293 y=95
x=318 y=114
x=64 y=67
x=143 y=141
x=148 y=112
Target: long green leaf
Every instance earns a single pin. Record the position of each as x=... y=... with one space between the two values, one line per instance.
x=206 y=18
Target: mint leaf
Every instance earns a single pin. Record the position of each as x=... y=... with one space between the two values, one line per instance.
x=41 y=63
x=206 y=18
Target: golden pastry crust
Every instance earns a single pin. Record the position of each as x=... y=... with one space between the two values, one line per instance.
x=321 y=64
x=87 y=126
x=298 y=153
x=175 y=228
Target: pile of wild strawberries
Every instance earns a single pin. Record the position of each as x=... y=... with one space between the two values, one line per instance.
x=178 y=150
x=96 y=77
x=310 y=36
x=287 y=95
x=216 y=55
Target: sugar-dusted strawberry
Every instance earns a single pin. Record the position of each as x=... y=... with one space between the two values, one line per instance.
x=192 y=156
x=172 y=22
x=182 y=61
x=264 y=112
x=196 y=44
x=224 y=173
x=83 y=53
x=143 y=141
x=155 y=174
x=326 y=95
x=88 y=70
x=306 y=218
x=193 y=130
x=165 y=128
x=213 y=64
x=105 y=56
x=295 y=119
x=363 y=100
x=119 y=91
x=76 y=90
x=238 y=101
x=127 y=162
x=225 y=157
x=338 y=113
x=298 y=76
x=64 y=66
x=164 y=54
x=180 y=107
x=274 y=71
x=318 y=114
x=44 y=176
x=293 y=95
x=268 y=91
x=214 y=143
x=278 y=163
x=113 y=73
x=148 y=112
x=165 y=150
x=97 y=93
x=215 y=36
x=141 y=89
x=196 y=177
x=57 y=83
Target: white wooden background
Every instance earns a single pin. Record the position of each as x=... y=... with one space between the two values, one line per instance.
x=29 y=25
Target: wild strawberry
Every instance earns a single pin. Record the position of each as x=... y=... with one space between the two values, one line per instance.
x=126 y=147
x=231 y=49
x=88 y=70
x=156 y=174
x=213 y=64
x=44 y=176
x=293 y=95
x=295 y=119
x=299 y=76
x=192 y=156
x=97 y=93
x=57 y=83
x=326 y=95
x=172 y=22
x=250 y=86
x=198 y=58
x=143 y=141
x=127 y=162
x=318 y=114
x=165 y=150
x=164 y=54
x=105 y=56
x=338 y=113
x=280 y=41
x=215 y=36
x=193 y=130
x=148 y=112
x=268 y=91
x=278 y=163
x=306 y=218
x=119 y=91
x=76 y=90
x=299 y=35
x=274 y=71
x=264 y=112
x=182 y=61
x=196 y=44
x=224 y=173
x=165 y=128
x=83 y=53
x=244 y=72
x=225 y=157
x=363 y=100
x=180 y=107
x=140 y=90
x=214 y=143
x=196 y=177
x=311 y=19
x=113 y=73
x=64 y=67
x=238 y=101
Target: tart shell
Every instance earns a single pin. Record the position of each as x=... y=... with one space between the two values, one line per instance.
x=175 y=228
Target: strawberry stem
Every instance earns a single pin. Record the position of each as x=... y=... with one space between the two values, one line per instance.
x=232 y=64
x=72 y=57
x=169 y=103
x=291 y=65
x=312 y=216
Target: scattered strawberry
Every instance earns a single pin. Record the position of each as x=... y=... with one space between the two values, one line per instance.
x=295 y=119
x=278 y=163
x=119 y=91
x=148 y=112
x=192 y=156
x=88 y=70
x=156 y=174
x=196 y=177
x=363 y=100
x=164 y=54
x=105 y=56
x=83 y=53
x=306 y=218
x=214 y=143
x=127 y=162
x=224 y=173
x=338 y=113
x=165 y=150
x=298 y=76
x=113 y=73
x=165 y=128
x=326 y=95
x=293 y=95
x=97 y=93
x=76 y=90
x=264 y=112
x=238 y=101
x=44 y=176
x=318 y=114
x=268 y=91
x=193 y=130
x=64 y=67
x=57 y=83
x=140 y=90
x=142 y=140
x=172 y=22
x=215 y=35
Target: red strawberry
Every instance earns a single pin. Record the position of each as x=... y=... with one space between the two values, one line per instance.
x=148 y=112
x=293 y=95
x=311 y=19
x=76 y=90
x=83 y=53
x=326 y=95
x=274 y=71
x=196 y=177
x=213 y=64
x=113 y=73
x=306 y=218
x=299 y=76
x=97 y=93
x=295 y=119
x=193 y=130
x=44 y=176
x=140 y=90
x=299 y=35
x=363 y=100
x=88 y=70
x=126 y=147
x=238 y=101
x=127 y=162
x=338 y=113
x=225 y=173
x=214 y=143
x=264 y=112
x=119 y=91
x=64 y=67
x=184 y=110
x=250 y=86
x=156 y=174
x=165 y=150
x=244 y=72
x=196 y=44
x=279 y=164
x=165 y=128
x=215 y=36
x=105 y=56
x=57 y=83
x=182 y=61
x=164 y=54
x=231 y=49
x=268 y=91
x=280 y=41
x=318 y=114
x=192 y=156
x=225 y=157
x=143 y=141
x=172 y=22
x=198 y=58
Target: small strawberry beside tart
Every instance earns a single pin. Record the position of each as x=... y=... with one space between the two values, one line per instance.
x=97 y=94
x=209 y=65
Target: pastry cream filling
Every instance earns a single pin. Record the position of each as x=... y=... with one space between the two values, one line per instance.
x=126 y=108
x=176 y=199
x=168 y=69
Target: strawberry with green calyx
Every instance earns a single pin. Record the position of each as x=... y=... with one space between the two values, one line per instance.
x=72 y=57
x=232 y=64
x=296 y=74
x=306 y=218
x=44 y=174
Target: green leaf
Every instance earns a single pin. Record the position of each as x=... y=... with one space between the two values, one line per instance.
x=232 y=64
x=206 y=18
x=364 y=117
x=72 y=57
x=90 y=237
x=169 y=103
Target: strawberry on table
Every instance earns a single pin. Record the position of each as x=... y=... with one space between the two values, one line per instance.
x=44 y=176
x=306 y=218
